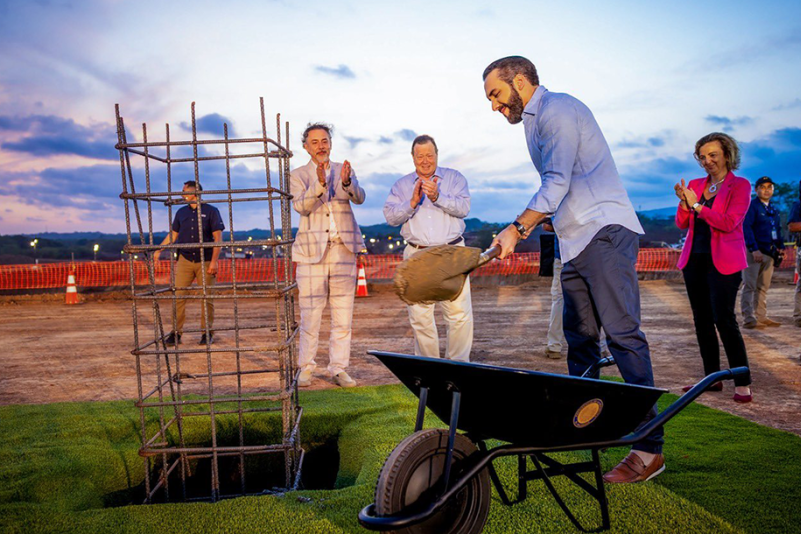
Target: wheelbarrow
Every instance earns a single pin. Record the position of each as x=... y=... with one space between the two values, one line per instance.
x=438 y=480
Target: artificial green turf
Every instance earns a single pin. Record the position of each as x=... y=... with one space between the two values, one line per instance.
x=60 y=462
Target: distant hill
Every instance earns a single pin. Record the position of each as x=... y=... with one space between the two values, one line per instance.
x=659 y=213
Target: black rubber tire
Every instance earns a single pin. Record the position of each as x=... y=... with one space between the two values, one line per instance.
x=416 y=465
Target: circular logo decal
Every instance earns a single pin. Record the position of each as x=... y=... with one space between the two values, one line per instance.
x=588 y=413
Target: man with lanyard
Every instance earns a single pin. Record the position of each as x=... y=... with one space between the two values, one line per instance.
x=763 y=238
x=431 y=204
x=597 y=229
x=189 y=266
x=325 y=250
x=794 y=225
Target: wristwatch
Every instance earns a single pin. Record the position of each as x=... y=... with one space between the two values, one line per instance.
x=696 y=205
x=521 y=229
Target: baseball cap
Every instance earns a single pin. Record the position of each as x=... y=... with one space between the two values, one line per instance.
x=764 y=180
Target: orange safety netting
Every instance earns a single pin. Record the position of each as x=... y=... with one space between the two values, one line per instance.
x=377 y=267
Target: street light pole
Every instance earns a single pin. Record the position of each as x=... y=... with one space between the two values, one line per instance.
x=96 y=248
x=33 y=244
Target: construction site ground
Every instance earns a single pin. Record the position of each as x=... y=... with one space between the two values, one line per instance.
x=57 y=353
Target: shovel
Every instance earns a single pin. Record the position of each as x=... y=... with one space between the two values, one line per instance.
x=438 y=273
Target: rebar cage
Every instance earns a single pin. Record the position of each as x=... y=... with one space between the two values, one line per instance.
x=204 y=410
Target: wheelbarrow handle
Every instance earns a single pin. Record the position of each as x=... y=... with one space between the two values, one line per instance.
x=668 y=413
x=595 y=367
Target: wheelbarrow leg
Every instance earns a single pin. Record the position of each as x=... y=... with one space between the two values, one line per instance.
x=560 y=469
x=496 y=480
x=599 y=483
x=455 y=402
x=522 y=482
x=421 y=409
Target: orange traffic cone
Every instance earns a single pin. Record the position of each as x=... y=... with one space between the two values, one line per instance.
x=361 y=287
x=72 y=291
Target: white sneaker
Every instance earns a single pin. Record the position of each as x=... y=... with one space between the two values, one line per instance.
x=305 y=378
x=344 y=381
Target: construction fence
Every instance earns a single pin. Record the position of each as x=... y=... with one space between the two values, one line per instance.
x=377 y=268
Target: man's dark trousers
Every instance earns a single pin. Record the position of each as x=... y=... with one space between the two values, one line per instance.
x=600 y=289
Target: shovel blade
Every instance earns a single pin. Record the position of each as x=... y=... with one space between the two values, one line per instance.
x=435 y=274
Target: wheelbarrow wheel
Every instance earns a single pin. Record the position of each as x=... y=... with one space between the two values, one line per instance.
x=411 y=479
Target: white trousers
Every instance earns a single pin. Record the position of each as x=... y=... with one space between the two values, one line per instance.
x=458 y=316
x=556 y=332
x=332 y=280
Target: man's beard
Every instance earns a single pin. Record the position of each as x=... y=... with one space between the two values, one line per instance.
x=515 y=106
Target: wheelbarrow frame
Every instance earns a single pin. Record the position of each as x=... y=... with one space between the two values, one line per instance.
x=545 y=467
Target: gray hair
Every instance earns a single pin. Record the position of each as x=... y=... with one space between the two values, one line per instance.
x=317 y=126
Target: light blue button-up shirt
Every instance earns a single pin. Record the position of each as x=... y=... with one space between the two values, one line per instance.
x=430 y=223
x=581 y=187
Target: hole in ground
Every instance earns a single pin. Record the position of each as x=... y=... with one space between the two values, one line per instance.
x=262 y=472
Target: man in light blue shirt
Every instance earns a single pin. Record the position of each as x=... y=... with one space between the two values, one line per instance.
x=597 y=229
x=431 y=204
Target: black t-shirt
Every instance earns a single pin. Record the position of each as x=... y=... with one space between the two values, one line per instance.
x=185 y=224
x=702 y=235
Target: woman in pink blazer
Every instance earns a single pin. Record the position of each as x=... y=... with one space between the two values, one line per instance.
x=713 y=209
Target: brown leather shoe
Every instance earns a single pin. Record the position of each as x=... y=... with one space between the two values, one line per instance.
x=769 y=322
x=633 y=469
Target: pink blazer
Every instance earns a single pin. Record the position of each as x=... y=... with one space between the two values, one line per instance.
x=725 y=219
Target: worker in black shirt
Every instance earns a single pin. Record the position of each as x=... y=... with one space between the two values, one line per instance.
x=188 y=268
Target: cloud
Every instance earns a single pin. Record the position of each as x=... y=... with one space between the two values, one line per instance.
x=49 y=135
x=790 y=105
x=777 y=155
x=385 y=140
x=212 y=124
x=406 y=134
x=342 y=72
x=650 y=142
x=354 y=141
x=726 y=123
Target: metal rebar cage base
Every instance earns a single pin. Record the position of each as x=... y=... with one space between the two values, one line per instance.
x=218 y=405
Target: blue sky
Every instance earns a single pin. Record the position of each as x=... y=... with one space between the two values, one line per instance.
x=657 y=77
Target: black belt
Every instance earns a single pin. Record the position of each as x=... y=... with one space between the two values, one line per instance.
x=454 y=242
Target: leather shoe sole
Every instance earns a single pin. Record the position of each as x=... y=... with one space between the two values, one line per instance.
x=742 y=398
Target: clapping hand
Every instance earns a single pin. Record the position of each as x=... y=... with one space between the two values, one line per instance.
x=321 y=174
x=345 y=173
x=417 y=193
x=681 y=190
x=431 y=188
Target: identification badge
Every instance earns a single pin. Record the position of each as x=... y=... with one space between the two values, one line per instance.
x=774 y=235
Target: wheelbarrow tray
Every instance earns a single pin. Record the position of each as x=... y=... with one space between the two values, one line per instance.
x=536 y=414
x=527 y=408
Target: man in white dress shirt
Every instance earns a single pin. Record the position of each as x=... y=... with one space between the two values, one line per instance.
x=431 y=204
x=325 y=250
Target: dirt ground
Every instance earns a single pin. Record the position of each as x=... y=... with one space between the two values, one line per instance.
x=56 y=353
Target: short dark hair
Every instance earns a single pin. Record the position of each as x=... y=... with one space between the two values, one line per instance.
x=192 y=183
x=318 y=126
x=423 y=139
x=731 y=151
x=510 y=66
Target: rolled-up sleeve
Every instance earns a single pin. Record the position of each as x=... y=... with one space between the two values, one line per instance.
x=455 y=201
x=397 y=209
x=559 y=141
